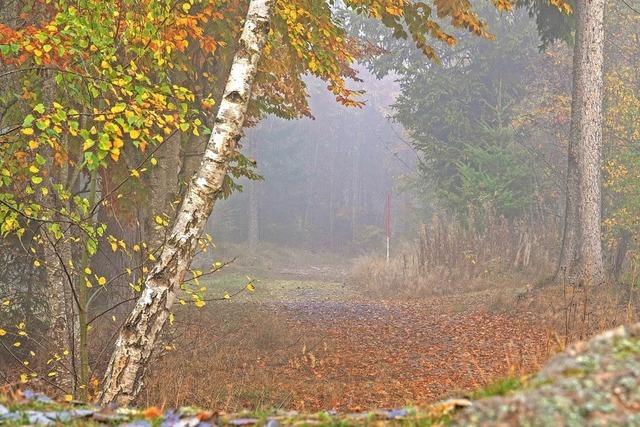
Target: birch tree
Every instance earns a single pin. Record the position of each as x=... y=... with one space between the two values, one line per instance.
x=136 y=341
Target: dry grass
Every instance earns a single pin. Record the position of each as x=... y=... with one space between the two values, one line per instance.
x=577 y=312
x=215 y=358
x=447 y=257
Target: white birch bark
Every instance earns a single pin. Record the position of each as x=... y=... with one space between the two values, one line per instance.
x=136 y=341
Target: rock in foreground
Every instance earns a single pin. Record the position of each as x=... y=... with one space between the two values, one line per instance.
x=594 y=383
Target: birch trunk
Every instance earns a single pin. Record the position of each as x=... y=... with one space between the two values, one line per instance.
x=136 y=341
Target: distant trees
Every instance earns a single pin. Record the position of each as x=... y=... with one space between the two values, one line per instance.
x=456 y=116
x=460 y=117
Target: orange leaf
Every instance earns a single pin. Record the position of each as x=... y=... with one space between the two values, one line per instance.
x=152 y=412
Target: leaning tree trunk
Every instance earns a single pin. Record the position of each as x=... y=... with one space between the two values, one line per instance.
x=136 y=341
x=589 y=266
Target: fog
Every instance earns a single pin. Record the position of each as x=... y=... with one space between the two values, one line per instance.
x=325 y=178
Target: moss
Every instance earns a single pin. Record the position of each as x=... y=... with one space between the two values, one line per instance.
x=624 y=348
x=498 y=388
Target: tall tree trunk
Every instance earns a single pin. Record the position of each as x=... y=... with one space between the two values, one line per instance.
x=61 y=332
x=164 y=185
x=581 y=254
x=58 y=265
x=568 y=251
x=355 y=185
x=589 y=266
x=306 y=221
x=253 y=234
x=136 y=341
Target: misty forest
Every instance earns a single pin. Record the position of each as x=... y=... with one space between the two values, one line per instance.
x=320 y=212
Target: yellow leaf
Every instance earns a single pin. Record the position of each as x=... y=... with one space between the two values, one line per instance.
x=24 y=378
x=102 y=280
x=68 y=397
x=3 y=332
x=118 y=108
x=200 y=303
x=250 y=287
x=87 y=270
x=227 y=296
x=135 y=173
x=134 y=134
x=27 y=131
x=186 y=7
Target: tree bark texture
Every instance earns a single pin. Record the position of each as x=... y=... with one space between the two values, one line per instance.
x=581 y=257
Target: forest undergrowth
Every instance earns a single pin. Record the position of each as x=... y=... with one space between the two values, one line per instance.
x=311 y=339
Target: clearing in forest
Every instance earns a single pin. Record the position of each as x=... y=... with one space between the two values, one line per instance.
x=307 y=340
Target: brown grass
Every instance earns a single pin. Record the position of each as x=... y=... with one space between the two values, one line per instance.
x=577 y=312
x=215 y=358
x=447 y=257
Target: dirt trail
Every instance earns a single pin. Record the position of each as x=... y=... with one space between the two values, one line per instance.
x=312 y=342
x=359 y=352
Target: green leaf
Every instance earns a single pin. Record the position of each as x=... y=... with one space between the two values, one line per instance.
x=92 y=246
x=28 y=120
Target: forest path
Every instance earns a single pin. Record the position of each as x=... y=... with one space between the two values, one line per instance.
x=363 y=353
x=313 y=342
